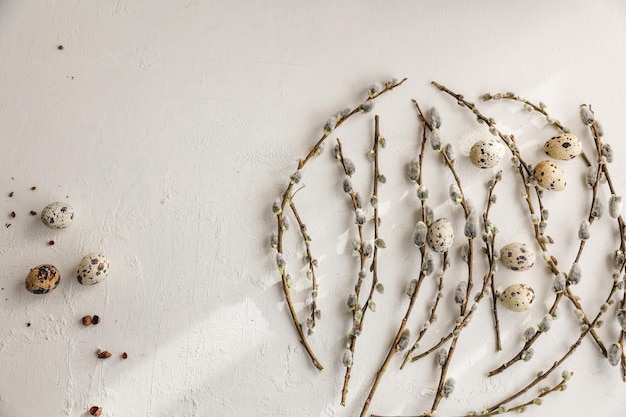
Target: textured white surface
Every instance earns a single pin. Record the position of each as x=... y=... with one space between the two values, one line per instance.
x=171 y=126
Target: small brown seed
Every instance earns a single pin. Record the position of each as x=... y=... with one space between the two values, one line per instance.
x=87 y=321
x=28 y=324
x=51 y=242
x=7 y=225
x=60 y=47
x=103 y=354
x=95 y=320
x=11 y=194
x=33 y=188
x=12 y=214
x=33 y=213
x=124 y=355
x=95 y=411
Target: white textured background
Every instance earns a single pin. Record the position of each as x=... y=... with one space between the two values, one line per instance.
x=171 y=126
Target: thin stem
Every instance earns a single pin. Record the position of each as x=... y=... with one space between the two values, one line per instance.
x=412 y=299
x=357 y=287
x=286 y=198
x=374 y=265
x=312 y=266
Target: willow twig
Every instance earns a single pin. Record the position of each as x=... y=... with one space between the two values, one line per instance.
x=402 y=336
x=378 y=243
x=286 y=198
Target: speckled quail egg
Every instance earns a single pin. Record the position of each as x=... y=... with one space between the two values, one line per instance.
x=57 y=215
x=563 y=147
x=550 y=176
x=93 y=268
x=486 y=153
x=517 y=256
x=517 y=297
x=440 y=235
x=42 y=279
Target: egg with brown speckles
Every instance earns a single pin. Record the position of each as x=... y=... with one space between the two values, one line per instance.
x=57 y=215
x=550 y=176
x=440 y=235
x=517 y=256
x=42 y=279
x=563 y=147
x=93 y=268
x=486 y=153
x=517 y=297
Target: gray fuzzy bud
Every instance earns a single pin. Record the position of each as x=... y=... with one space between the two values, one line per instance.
x=607 y=152
x=277 y=207
x=471 y=226
x=615 y=206
x=346 y=358
x=419 y=234
x=435 y=140
x=413 y=170
x=296 y=177
x=280 y=261
x=586 y=115
x=559 y=283
x=428 y=264
x=435 y=118
x=575 y=273
x=349 y=167
x=403 y=342
x=367 y=249
x=360 y=216
x=347 y=185
x=545 y=323
x=529 y=333
x=614 y=354
x=460 y=292
x=374 y=89
x=352 y=301
x=621 y=319
x=450 y=152
x=441 y=357
x=455 y=193
x=591 y=177
x=367 y=107
x=528 y=354
x=411 y=288
x=448 y=387
x=584 y=230
x=330 y=125
x=422 y=192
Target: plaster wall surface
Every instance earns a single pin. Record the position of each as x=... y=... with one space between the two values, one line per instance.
x=172 y=126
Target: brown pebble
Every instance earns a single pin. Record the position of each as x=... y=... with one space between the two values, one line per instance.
x=95 y=319
x=28 y=324
x=103 y=354
x=86 y=321
x=12 y=214
x=11 y=194
x=51 y=242
x=33 y=188
x=60 y=47
x=33 y=213
x=95 y=411
x=124 y=355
